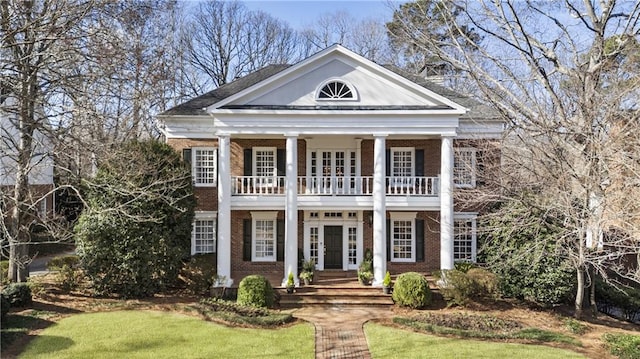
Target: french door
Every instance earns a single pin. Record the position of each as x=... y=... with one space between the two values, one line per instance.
x=333 y=172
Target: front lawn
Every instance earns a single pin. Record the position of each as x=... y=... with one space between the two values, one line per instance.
x=387 y=342
x=150 y=334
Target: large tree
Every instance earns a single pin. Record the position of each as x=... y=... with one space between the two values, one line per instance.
x=564 y=78
x=136 y=229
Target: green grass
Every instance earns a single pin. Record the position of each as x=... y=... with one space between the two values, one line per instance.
x=387 y=342
x=147 y=334
x=17 y=325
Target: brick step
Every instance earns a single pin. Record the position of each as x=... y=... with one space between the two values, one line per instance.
x=331 y=295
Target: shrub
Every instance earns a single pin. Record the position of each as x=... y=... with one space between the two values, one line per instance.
x=18 y=294
x=69 y=278
x=4 y=306
x=71 y=261
x=412 y=290
x=457 y=287
x=463 y=266
x=575 y=326
x=136 y=230
x=612 y=300
x=256 y=290
x=625 y=346
x=241 y=314
x=486 y=283
x=36 y=284
x=199 y=273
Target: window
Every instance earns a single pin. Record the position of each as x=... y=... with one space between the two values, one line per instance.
x=264 y=165
x=203 y=235
x=464 y=238
x=264 y=236
x=464 y=167
x=352 y=245
x=402 y=236
x=204 y=166
x=402 y=161
x=313 y=244
x=42 y=208
x=336 y=90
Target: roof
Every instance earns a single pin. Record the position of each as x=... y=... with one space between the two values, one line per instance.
x=196 y=106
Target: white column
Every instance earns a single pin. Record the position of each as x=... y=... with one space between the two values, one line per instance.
x=291 y=210
x=379 y=211
x=224 y=208
x=446 y=203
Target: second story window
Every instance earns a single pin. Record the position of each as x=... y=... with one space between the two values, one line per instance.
x=464 y=167
x=204 y=166
x=402 y=161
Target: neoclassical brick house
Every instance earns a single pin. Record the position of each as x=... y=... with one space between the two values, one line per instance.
x=328 y=158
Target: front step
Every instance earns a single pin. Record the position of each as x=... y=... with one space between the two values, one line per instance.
x=330 y=295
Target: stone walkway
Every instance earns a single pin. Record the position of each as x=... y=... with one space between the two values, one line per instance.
x=339 y=332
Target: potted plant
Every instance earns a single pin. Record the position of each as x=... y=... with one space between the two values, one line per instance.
x=307 y=277
x=290 y=283
x=365 y=269
x=308 y=271
x=386 y=283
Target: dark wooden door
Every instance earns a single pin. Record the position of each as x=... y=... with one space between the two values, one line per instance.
x=333 y=247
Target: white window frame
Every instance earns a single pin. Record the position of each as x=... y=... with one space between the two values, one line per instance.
x=467 y=167
x=264 y=216
x=467 y=217
x=405 y=217
x=194 y=166
x=42 y=209
x=265 y=181
x=354 y=93
x=402 y=181
x=204 y=216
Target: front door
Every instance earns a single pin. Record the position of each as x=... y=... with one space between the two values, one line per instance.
x=333 y=247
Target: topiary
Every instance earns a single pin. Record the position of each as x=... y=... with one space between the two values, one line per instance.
x=256 y=290
x=4 y=306
x=18 y=294
x=412 y=290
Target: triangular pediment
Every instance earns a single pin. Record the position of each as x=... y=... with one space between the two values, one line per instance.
x=298 y=86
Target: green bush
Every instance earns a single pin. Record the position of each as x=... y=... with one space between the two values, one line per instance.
x=136 y=230
x=199 y=273
x=575 y=326
x=463 y=266
x=612 y=300
x=69 y=278
x=241 y=314
x=486 y=283
x=4 y=272
x=625 y=346
x=18 y=294
x=412 y=290
x=256 y=290
x=70 y=260
x=457 y=288
x=4 y=307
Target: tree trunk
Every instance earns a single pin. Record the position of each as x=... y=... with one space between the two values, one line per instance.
x=579 y=293
x=592 y=295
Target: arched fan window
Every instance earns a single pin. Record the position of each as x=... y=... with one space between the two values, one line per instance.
x=336 y=90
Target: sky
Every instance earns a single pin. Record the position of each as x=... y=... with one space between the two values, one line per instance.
x=300 y=13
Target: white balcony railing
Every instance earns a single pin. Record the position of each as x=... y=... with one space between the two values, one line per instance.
x=342 y=186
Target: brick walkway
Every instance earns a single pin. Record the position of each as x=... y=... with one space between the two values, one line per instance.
x=339 y=333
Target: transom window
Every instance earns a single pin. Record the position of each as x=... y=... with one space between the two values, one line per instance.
x=204 y=166
x=464 y=167
x=203 y=235
x=336 y=90
x=402 y=237
x=464 y=238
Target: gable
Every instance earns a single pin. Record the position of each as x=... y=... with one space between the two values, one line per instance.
x=375 y=87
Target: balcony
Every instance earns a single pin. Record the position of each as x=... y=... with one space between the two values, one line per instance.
x=335 y=186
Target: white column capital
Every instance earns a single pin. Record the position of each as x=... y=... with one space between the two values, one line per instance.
x=291 y=134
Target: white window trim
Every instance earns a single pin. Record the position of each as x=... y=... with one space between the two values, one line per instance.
x=265 y=181
x=264 y=216
x=473 y=168
x=403 y=149
x=473 y=216
x=403 y=216
x=355 y=97
x=193 y=166
x=204 y=216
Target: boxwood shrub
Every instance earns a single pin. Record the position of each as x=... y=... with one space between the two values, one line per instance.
x=18 y=294
x=257 y=291
x=412 y=290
